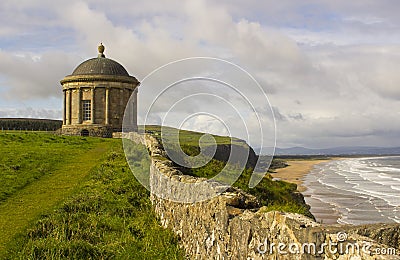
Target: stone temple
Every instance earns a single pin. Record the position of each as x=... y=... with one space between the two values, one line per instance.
x=95 y=97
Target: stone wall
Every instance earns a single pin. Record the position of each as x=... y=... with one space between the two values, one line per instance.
x=232 y=226
x=94 y=130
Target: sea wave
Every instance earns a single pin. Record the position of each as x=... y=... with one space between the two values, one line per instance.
x=361 y=190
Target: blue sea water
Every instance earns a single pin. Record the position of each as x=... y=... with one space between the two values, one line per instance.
x=358 y=190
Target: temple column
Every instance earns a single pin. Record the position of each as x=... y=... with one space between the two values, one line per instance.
x=92 y=106
x=107 y=107
x=64 y=107
x=79 y=106
x=128 y=111
x=68 y=107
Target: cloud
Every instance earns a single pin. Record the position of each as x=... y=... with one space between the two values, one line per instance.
x=329 y=67
x=29 y=76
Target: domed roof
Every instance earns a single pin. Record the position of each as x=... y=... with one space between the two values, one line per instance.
x=100 y=69
x=100 y=66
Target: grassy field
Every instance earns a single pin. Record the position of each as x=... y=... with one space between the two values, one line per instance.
x=27 y=157
x=75 y=198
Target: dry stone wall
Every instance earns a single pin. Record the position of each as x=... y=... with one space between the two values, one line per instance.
x=233 y=226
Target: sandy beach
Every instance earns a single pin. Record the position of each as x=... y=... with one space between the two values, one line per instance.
x=295 y=173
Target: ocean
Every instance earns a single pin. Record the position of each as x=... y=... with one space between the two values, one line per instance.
x=355 y=191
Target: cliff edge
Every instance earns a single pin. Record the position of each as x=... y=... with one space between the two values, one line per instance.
x=233 y=226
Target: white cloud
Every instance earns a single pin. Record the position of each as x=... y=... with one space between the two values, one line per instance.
x=31 y=76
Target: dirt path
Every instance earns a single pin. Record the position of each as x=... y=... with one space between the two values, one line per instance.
x=42 y=195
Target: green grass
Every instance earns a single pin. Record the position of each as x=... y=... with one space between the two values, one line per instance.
x=76 y=198
x=90 y=209
x=27 y=157
x=40 y=181
x=274 y=195
x=188 y=138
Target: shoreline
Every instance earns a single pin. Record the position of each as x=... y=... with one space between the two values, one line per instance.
x=295 y=172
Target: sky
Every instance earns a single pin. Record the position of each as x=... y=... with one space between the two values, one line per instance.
x=330 y=69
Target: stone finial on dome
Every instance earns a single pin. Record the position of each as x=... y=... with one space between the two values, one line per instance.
x=101 y=49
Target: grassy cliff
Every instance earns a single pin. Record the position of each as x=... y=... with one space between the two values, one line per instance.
x=275 y=195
